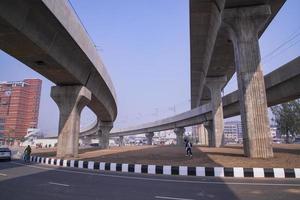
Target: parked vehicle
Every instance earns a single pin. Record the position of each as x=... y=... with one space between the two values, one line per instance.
x=277 y=140
x=296 y=140
x=5 y=153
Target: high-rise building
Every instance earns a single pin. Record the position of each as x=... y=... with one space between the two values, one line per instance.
x=19 y=107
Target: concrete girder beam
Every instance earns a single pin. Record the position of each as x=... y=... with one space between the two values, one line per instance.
x=215 y=85
x=244 y=24
x=70 y=101
x=205 y=21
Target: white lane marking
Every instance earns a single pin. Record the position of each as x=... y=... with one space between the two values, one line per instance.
x=60 y=184
x=161 y=180
x=174 y=198
x=3 y=174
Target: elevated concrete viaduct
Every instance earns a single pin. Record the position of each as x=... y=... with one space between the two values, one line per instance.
x=281 y=85
x=224 y=39
x=47 y=36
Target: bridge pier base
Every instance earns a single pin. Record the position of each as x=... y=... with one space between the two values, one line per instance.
x=70 y=101
x=215 y=86
x=103 y=134
x=244 y=25
x=149 y=137
x=179 y=135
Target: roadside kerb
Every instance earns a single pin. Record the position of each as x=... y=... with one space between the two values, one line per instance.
x=237 y=172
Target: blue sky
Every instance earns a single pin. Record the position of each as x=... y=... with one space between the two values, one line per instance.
x=145 y=47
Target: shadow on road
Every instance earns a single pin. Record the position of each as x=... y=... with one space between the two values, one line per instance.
x=36 y=183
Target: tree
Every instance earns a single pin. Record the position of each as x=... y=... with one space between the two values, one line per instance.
x=287 y=118
x=11 y=133
x=22 y=139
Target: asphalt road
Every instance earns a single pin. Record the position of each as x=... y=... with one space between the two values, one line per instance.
x=34 y=181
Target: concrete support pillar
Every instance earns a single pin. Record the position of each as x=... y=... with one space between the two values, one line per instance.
x=244 y=24
x=70 y=101
x=103 y=134
x=203 y=135
x=209 y=128
x=215 y=86
x=179 y=135
x=195 y=134
x=149 y=137
x=121 y=141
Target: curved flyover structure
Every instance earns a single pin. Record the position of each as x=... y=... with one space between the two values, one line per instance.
x=224 y=39
x=48 y=37
x=282 y=85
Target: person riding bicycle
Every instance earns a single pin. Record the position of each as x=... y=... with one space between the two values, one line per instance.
x=27 y=153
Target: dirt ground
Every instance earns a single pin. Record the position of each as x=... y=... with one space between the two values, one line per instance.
x=287 y=156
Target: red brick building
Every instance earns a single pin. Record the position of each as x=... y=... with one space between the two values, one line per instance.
x=19 y=107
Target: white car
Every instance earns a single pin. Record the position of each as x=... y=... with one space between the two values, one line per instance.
x=5 y=153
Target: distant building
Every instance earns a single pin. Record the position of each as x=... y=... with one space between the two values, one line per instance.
x=19 y=107
x=273 y=131
x=233 y=132
x=164 y=137
x=40 y=142
x=33 y=133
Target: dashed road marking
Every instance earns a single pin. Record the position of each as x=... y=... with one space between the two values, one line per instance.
x=60 y=184
x=162 y=180
x=173 y=198
x=3 y=174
